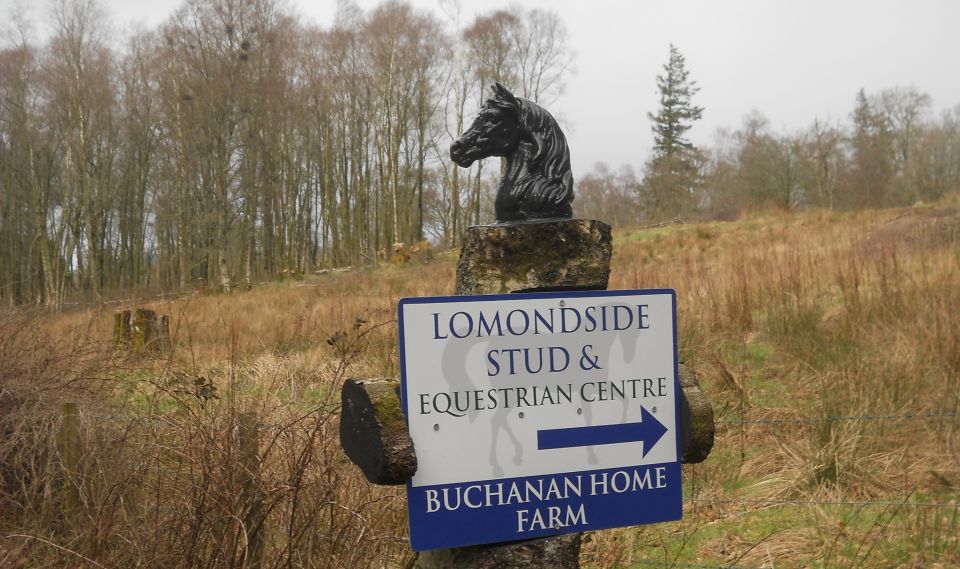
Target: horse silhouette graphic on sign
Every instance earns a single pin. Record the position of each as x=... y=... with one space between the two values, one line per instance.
x=456 y=371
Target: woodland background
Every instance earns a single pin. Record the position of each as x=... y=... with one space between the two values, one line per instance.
x=234 y=144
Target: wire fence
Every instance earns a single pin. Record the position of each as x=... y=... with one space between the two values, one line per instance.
x=859 y=504
x=688 y=565
x=303 y=419
x=951 y=506
x=682 y=565
x=838 y=418
x=830 y=419
x=189 y=394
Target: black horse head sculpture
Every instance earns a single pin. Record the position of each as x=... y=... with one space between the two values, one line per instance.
x=536 y=182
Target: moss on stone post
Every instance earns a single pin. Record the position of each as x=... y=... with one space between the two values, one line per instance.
x=571 y=254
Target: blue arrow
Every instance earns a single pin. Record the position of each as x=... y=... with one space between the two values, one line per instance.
x=649 y=430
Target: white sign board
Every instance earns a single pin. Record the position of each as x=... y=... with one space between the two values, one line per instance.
x=539 y=414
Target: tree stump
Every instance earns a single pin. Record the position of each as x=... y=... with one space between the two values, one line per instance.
x=121 y=328
x=141 y=329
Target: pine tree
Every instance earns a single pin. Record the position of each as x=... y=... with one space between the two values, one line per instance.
x=872 y=167
x=677 y=111
x=673 y=173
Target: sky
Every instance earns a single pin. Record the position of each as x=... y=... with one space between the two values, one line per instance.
x=792 y=61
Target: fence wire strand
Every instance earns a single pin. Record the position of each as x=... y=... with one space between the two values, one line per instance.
x=860 y=504
x=835 y=418
x=720 y=423
x=808 y=421
x=683 y=565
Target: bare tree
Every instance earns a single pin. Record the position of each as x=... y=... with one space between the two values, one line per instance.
x=608 y=196
x=234 y=143
x=79 y=73
x=822 y=159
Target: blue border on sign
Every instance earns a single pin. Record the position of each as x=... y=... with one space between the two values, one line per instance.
x=621 y=502
x=455 y=539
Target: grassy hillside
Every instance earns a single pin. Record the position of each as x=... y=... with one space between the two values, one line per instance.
x=829 y=344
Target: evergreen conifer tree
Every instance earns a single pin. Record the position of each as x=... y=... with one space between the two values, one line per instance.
x=872 y=166
x=672 y=174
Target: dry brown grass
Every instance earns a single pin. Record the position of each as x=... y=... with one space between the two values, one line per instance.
x=816 y=315
x=784 y=316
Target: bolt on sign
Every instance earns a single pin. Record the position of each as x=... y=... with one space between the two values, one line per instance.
x=539 y=414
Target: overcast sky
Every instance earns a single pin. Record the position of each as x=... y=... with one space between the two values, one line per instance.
x=791 y=60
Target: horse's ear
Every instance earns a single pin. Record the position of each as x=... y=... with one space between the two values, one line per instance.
x=501 y=92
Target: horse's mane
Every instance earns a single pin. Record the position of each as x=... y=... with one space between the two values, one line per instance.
x=538 y=174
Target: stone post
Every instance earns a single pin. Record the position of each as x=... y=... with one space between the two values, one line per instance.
x=552 y=255
x=569 y=254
